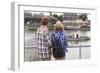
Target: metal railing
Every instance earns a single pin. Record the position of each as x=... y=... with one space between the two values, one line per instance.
x=80 y=48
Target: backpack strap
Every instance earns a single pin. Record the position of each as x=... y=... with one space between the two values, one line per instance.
x=54 y=42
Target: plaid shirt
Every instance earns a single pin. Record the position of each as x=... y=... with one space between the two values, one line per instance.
x=43 y=42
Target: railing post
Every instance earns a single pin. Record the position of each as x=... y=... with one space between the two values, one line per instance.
x=80 y=52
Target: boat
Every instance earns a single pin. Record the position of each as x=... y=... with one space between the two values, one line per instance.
x=81 y=38
x=76 y=28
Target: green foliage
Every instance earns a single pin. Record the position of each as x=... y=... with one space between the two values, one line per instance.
x=83 y=17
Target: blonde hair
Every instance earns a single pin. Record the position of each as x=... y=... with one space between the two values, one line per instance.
x=58 y=26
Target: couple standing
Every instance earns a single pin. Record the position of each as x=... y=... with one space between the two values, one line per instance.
x=57 y=41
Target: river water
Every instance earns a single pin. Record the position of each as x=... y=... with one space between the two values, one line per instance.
x=30 y=35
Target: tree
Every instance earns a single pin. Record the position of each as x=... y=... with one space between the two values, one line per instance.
x=61 y=18
x=50 y=13
x=83 y=17
x=55 y=15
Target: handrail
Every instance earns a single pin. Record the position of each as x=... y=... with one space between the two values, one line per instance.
x=80 y=48
x=67 y=47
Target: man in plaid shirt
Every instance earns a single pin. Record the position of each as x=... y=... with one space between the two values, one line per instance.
x=43 y=40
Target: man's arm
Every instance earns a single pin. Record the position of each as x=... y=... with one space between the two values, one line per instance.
x=47 y=40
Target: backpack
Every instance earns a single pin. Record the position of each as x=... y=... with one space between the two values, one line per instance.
x=58 y=49
x=56 y=42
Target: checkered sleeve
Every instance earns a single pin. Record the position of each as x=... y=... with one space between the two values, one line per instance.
x=47 y=40
x=64 y=41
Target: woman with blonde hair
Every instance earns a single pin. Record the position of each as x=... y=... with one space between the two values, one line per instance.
x=59 y=41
